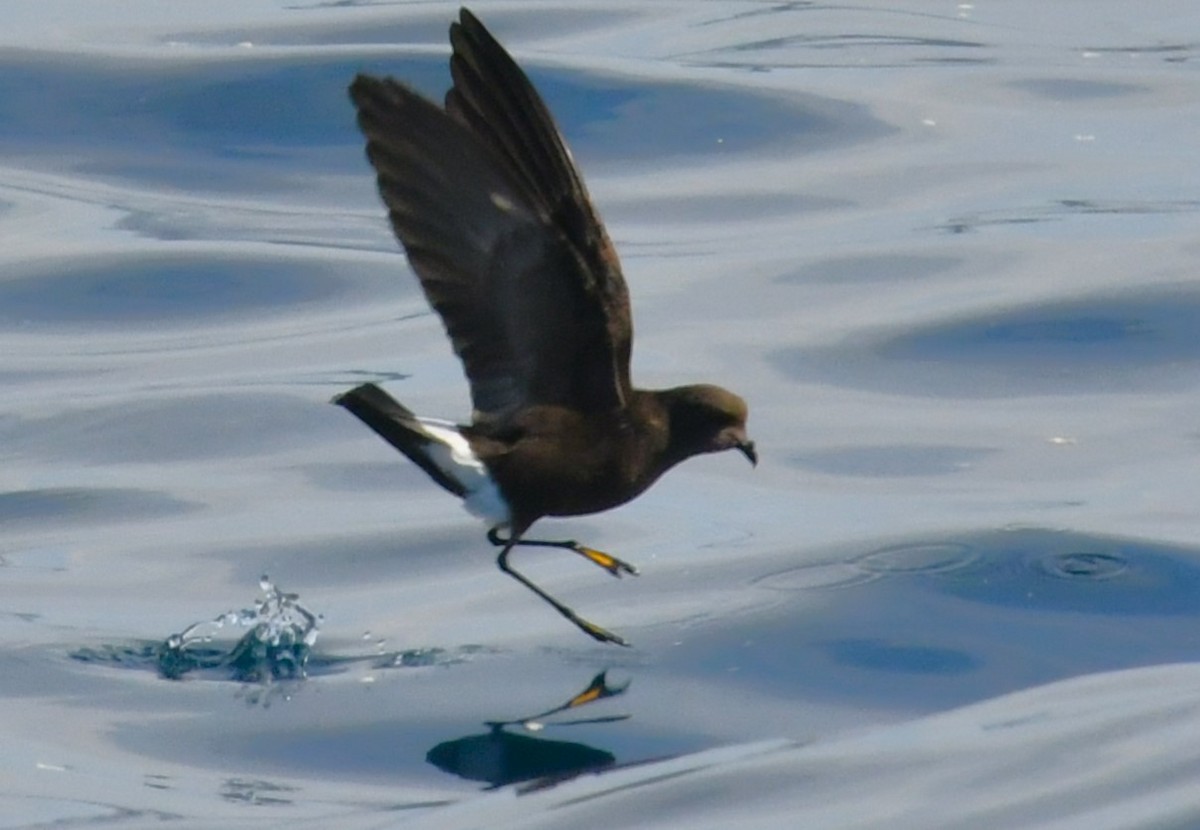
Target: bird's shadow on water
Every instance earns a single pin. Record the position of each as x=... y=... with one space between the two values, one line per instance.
x=503 y=756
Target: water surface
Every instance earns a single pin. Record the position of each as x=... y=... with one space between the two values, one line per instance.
x=948 y=255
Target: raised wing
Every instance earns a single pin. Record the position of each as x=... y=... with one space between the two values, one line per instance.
x=498 y=227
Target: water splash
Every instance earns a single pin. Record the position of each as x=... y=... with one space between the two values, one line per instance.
x=277 y=645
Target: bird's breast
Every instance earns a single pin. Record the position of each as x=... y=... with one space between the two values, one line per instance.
x=571 y=473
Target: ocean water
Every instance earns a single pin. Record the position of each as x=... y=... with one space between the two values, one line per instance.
x=948 y=253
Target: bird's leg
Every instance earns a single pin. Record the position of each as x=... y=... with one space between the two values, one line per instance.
x=589 y=628
x=610 y=563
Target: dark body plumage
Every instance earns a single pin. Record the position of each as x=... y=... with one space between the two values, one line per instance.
x=499 y=229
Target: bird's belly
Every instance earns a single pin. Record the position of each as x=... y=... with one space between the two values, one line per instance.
x=569 y=475
x=592 y=495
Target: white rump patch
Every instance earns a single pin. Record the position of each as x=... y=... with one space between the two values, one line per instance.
x=452 y=453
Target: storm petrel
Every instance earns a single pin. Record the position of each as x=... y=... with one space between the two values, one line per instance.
x=492 y=212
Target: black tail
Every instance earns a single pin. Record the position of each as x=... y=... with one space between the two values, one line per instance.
x=395 y=424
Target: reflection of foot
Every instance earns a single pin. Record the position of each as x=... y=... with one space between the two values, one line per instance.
x=598 y=689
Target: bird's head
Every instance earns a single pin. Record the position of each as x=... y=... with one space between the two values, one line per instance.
x=707 y=418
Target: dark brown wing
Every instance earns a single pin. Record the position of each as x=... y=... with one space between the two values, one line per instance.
x=516 y=288
x=494 y=97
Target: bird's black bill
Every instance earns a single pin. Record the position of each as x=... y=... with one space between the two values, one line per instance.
x=610 y=563
x=747 y=449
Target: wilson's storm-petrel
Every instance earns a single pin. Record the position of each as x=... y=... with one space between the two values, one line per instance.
x=498 y=227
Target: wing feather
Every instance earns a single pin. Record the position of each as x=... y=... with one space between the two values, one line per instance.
x=513 y=291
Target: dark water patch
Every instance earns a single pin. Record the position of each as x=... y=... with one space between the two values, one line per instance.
x=877 y=268
x=1065 y=209
x=1169 y=52
x=1129 y=208
x=632 y=122
x=1035 y=569
x=175 y=123
x=1120 y=343
x=1075 y=89
x=176 y=429
x=148 y=290
x=892 y=461
x=955 y=60
x=250 y=125
x=1117 y=334
x=20 y=508
x=935 y=622
x=1074 y=572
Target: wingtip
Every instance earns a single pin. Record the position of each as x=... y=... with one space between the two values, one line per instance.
x=470 y=28
x=363 y=86
x=467 y=18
